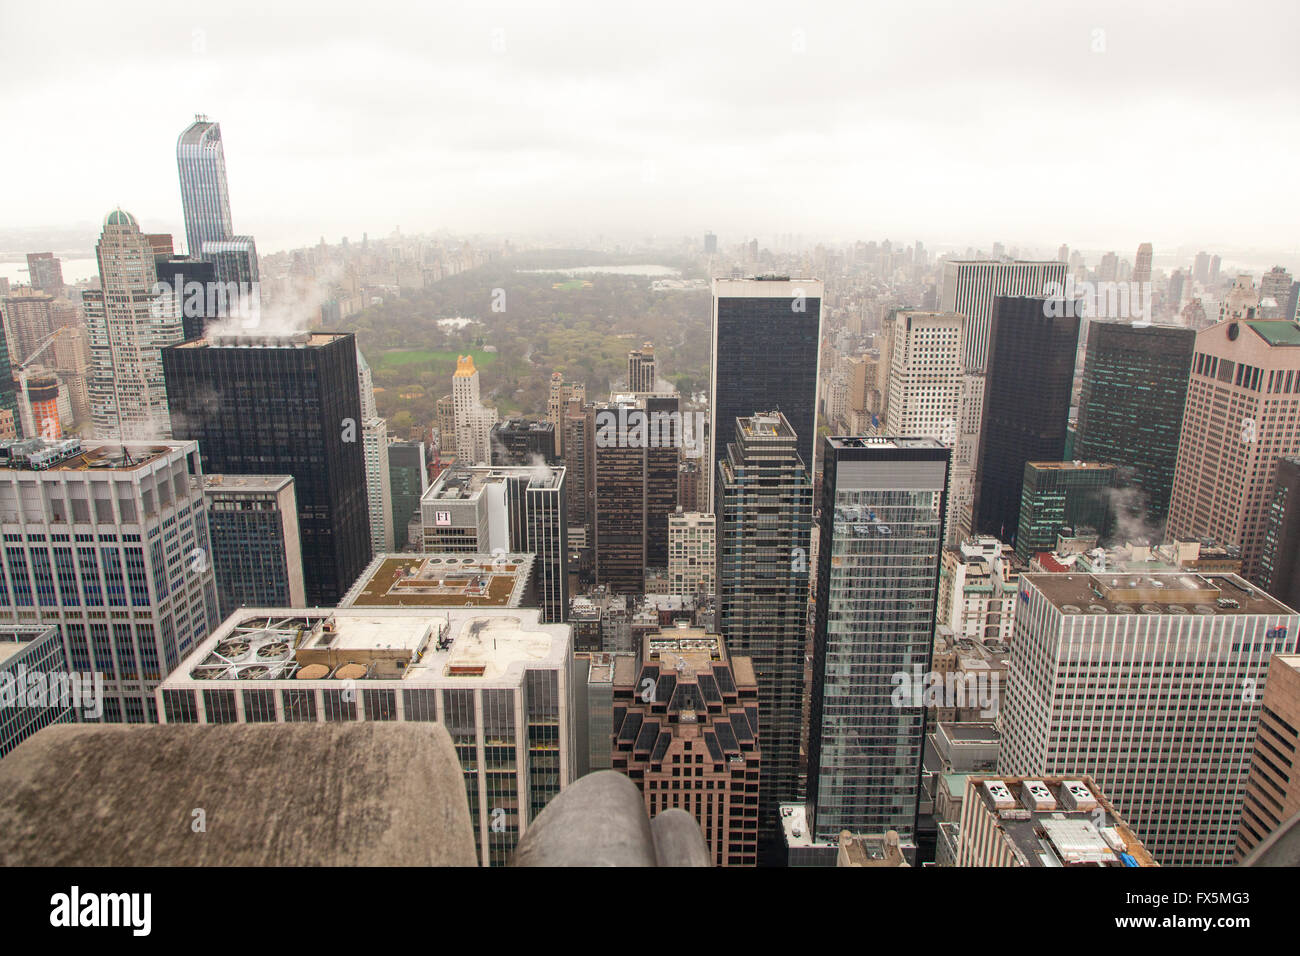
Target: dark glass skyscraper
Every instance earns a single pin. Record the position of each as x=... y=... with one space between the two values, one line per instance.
x=764 y=526
x=1131 y=409
x=409 y=480
x=880 y=537
x=1279 y=563
x=284 y=406
x=1063 y=494
x=1032 y=344
x=766 y=346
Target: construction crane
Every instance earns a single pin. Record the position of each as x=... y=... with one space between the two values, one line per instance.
x=20 y=373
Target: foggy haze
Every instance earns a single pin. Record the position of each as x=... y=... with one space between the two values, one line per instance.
x=1098 y=125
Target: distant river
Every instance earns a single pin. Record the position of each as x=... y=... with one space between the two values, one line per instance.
x=74 y=270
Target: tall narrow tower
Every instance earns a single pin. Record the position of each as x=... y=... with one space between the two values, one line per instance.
x=128 y=325
x=205 y=201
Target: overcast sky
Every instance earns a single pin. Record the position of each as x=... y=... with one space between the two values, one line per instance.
x=1098 y=124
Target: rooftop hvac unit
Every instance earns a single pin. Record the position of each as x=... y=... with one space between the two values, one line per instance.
x=999 y=793
x=1075 y=795
x=1035 y=796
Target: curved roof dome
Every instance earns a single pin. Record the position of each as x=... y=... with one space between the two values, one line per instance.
x=120 y=217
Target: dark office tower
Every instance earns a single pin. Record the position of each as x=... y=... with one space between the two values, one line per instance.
x=970 y=288
x=764 y=526
x=618 y=518
x=1279 y=562
x=662 y=455
x=1032 y=343
x=766 y=347
x=198 y=299
x=1131 y=410
x=579 y=429
x=408 y=479
x=641 y=369
x=46 y=273
x=284 y=405
x=879 y=541
x=518 y=441
x=710 y=244
x=256 y=551
x=1063 y=494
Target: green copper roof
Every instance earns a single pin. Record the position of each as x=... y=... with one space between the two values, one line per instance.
x=1277 y=331
x=120 y=217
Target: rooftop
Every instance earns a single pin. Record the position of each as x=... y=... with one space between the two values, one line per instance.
x=442 y=580
x=465 y=482
x=1174 y=592
x=882 y=442
x=392 y=644
x=1054 y=822
x=215 y=484
x=15 y=638
x=1277 y=331
x=71 y=454
x=261 y=340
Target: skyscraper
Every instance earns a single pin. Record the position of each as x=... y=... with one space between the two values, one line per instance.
x=765 y=356
x=128 y=326
x=1239 y=419
x=1032 y=344
x=641 y=369
x=684 y=703
x=256 y=552
x=930 y=396
x=519 y=441
x=491 y=510
x=132 y=590
x=1142 y=264
x=879 y=539
x=284 y=405
x=969 y=287
x=379 y=494
x=1063 y=494
x=29 y=320
x=1279 y=559
x=634 y=472
x=46 y=273
x=764 y=525
x=408 y=480
x=1178 y=659
x=1272 y=794
x=1131 y=409
x=499 y=681
x=473 y=421
x=1274 y=293
x=205 y=202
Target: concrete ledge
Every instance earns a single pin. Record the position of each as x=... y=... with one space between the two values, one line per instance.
x=339 y=794
x=601 y=821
